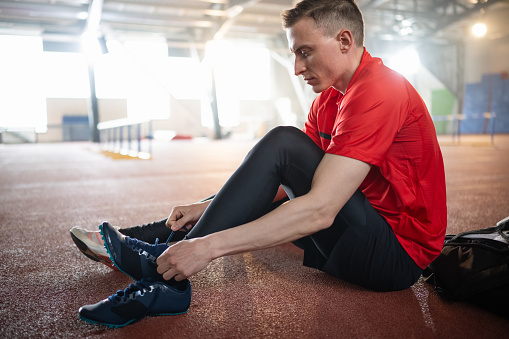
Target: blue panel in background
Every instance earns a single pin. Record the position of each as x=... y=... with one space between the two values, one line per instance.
x=490 y=95
x=500 y=104
x=475 y=103
x=75 y=128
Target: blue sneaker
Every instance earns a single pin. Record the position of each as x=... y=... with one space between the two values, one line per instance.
x=135 y=258
x=141 y=299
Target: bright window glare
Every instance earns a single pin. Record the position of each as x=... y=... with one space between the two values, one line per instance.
x=244 y=72
x=406 y=62
x=183 y=78
x=112 y=77
x=132 y=71
x=241 y=73
x=90 y=45
x=147 y=50
x=22 y=103
x=65 y=75
x=146 y=98
x=139 y=72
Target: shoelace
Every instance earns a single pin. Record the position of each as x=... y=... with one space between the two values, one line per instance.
x=143 y=248
x=128 y=293
x=169 y=238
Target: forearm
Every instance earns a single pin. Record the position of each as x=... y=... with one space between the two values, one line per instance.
x=291 y=221
x=286 y=223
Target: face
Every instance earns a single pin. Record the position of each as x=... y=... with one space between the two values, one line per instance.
x=319 y=59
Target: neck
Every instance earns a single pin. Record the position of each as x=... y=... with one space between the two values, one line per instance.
x=354 y=58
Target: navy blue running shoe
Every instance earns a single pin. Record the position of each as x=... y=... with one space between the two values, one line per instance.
x=135 y=258
x=141 y=299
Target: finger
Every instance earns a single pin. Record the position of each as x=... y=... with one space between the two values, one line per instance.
x=179 y=277
x=175 y=215
x=169 y=274
x=185 y=221
x=161 y=267
x=162 y=262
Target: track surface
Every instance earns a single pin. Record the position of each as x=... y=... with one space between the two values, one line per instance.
x=45 y=189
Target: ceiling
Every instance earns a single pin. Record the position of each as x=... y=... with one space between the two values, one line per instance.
x=193 y=22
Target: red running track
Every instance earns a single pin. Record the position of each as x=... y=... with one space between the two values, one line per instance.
x=48 y=188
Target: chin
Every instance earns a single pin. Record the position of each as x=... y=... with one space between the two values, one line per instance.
x=318 y=89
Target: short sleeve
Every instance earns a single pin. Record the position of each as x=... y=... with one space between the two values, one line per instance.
x=367 y=124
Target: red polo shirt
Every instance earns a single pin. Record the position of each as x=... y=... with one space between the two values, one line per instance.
x=382 y=120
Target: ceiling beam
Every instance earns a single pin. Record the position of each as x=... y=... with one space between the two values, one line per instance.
x=144 y=7
x=232 y=12
x=94 y=16
x=154 y=19
x=373 y=4
x=445 y=20
x=159 y=3
x=37 y=10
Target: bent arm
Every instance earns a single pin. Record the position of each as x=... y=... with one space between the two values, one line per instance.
x=334 y=182
x=188 y=215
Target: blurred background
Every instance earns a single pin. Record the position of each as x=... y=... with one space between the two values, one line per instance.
x=75 y=70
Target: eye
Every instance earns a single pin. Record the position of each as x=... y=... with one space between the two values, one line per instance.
x=305 y=54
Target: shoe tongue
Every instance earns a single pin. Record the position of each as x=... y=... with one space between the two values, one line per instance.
x=159 y=249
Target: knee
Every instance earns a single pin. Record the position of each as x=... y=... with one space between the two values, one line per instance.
x=287 y=140
x=278 y=139
x=283 y=136
x=284 y=132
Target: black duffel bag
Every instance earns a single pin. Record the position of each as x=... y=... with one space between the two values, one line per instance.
x=474 y=266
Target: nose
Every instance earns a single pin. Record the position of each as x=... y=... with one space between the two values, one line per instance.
x=299 y=67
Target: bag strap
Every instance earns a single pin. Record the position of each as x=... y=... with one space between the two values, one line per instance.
x=503 y=225
x=500 y=228
x=498 y=246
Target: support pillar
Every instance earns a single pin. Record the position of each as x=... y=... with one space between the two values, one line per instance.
x=215 y=110
x=93 y=107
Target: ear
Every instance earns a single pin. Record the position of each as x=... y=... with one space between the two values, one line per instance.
x=345 y=39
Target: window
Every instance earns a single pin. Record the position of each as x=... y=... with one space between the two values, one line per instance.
x=65 y=75
x=241 y=73
x=22 y=103
x=132 y=71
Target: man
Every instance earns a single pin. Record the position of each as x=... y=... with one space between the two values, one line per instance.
x=365 y=180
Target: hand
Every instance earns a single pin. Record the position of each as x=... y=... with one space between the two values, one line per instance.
x=183 y=259
x=186 y=216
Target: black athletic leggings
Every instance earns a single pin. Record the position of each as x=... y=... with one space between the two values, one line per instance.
x=359 y=246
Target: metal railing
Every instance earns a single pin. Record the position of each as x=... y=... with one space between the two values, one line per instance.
x=457 y=119
x=127 y=137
